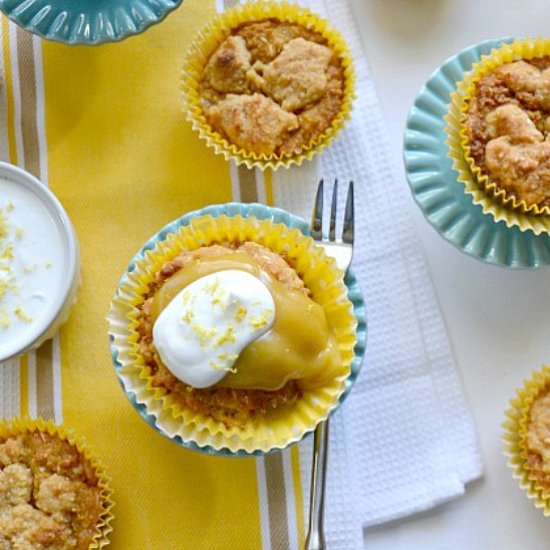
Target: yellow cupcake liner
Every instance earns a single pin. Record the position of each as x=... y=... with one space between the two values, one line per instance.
x=215 y=33
x=281 y=426
x=515 y=430
x=17 y=426
x=493 y=201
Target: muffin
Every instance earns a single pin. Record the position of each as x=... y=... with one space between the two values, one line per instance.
x=238 y=333
x=499 y=119
x=268 y=84
x=507 y=124
x=53 y=494
x=527 y=436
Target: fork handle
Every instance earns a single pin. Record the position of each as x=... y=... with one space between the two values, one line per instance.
x=315 y=539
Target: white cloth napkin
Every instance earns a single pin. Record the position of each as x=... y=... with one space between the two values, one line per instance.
x=405 y=440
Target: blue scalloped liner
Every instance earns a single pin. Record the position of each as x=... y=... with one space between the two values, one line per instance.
x=434 y=183
x=87 y=21
x=276 y=215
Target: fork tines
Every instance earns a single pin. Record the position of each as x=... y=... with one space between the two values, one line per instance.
x=317 y=217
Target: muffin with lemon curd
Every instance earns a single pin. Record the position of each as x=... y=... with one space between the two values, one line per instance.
x=240 y=330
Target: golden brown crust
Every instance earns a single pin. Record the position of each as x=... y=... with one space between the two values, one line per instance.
x=226 y=69
x=252 y=122
x=233 y=407
x=537 y=440
x=295 y=72
x=508 y=124
x=49 y=494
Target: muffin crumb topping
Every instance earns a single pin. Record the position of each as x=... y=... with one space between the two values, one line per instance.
x=272 y=87
x=49 y=494
x=508 y=122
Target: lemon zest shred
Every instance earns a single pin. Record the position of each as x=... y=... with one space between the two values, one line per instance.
x=20 y=313
x=4 y=230
x=261 y=320
x=5 y=321
x=205 y=334
x=227 y=336
x=240 y=314
x=188 y=316
x=217 y=366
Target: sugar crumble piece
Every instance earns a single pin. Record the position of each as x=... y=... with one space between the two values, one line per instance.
x=20 y=232
x=10 y=206
x=48 y=265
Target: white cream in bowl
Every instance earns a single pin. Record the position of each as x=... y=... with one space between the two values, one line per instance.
x=39 y=263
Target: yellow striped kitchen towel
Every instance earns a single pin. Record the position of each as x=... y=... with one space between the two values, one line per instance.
x=103 y=127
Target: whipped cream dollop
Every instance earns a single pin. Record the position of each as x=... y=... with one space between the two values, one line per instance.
x=201 y=332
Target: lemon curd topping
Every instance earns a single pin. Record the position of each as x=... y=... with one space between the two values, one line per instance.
x=299 y=355
x=289 y=338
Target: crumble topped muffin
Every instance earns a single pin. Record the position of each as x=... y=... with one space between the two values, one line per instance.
x=272 y=87
x=508 y=129
x=49 y=494
x=537 y=440
x=258 y=382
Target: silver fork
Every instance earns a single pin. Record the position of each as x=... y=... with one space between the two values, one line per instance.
x=341 y=250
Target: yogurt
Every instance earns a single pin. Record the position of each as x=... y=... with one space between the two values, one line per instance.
x=201 y=332
x=38 y=262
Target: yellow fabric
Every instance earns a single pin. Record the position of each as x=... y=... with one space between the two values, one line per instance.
x=123 y=161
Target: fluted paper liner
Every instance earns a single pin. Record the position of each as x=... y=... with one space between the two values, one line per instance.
x=493 y=201
x=17 y=426
x=215 y=33
x=515 y=430
x=278 y=427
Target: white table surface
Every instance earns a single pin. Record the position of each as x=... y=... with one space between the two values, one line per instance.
x=498 y=320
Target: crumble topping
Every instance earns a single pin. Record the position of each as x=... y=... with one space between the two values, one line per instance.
x=297 y=76
x=508 y=123
x=252 y=121
x=537 y=440
x=272 y=87
x=226 y=69
x=49 y=494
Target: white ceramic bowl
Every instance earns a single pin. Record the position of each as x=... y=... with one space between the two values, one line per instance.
x=40 y=261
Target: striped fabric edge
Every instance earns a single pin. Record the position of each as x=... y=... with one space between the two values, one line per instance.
x=35 y=389
x=9 y=370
